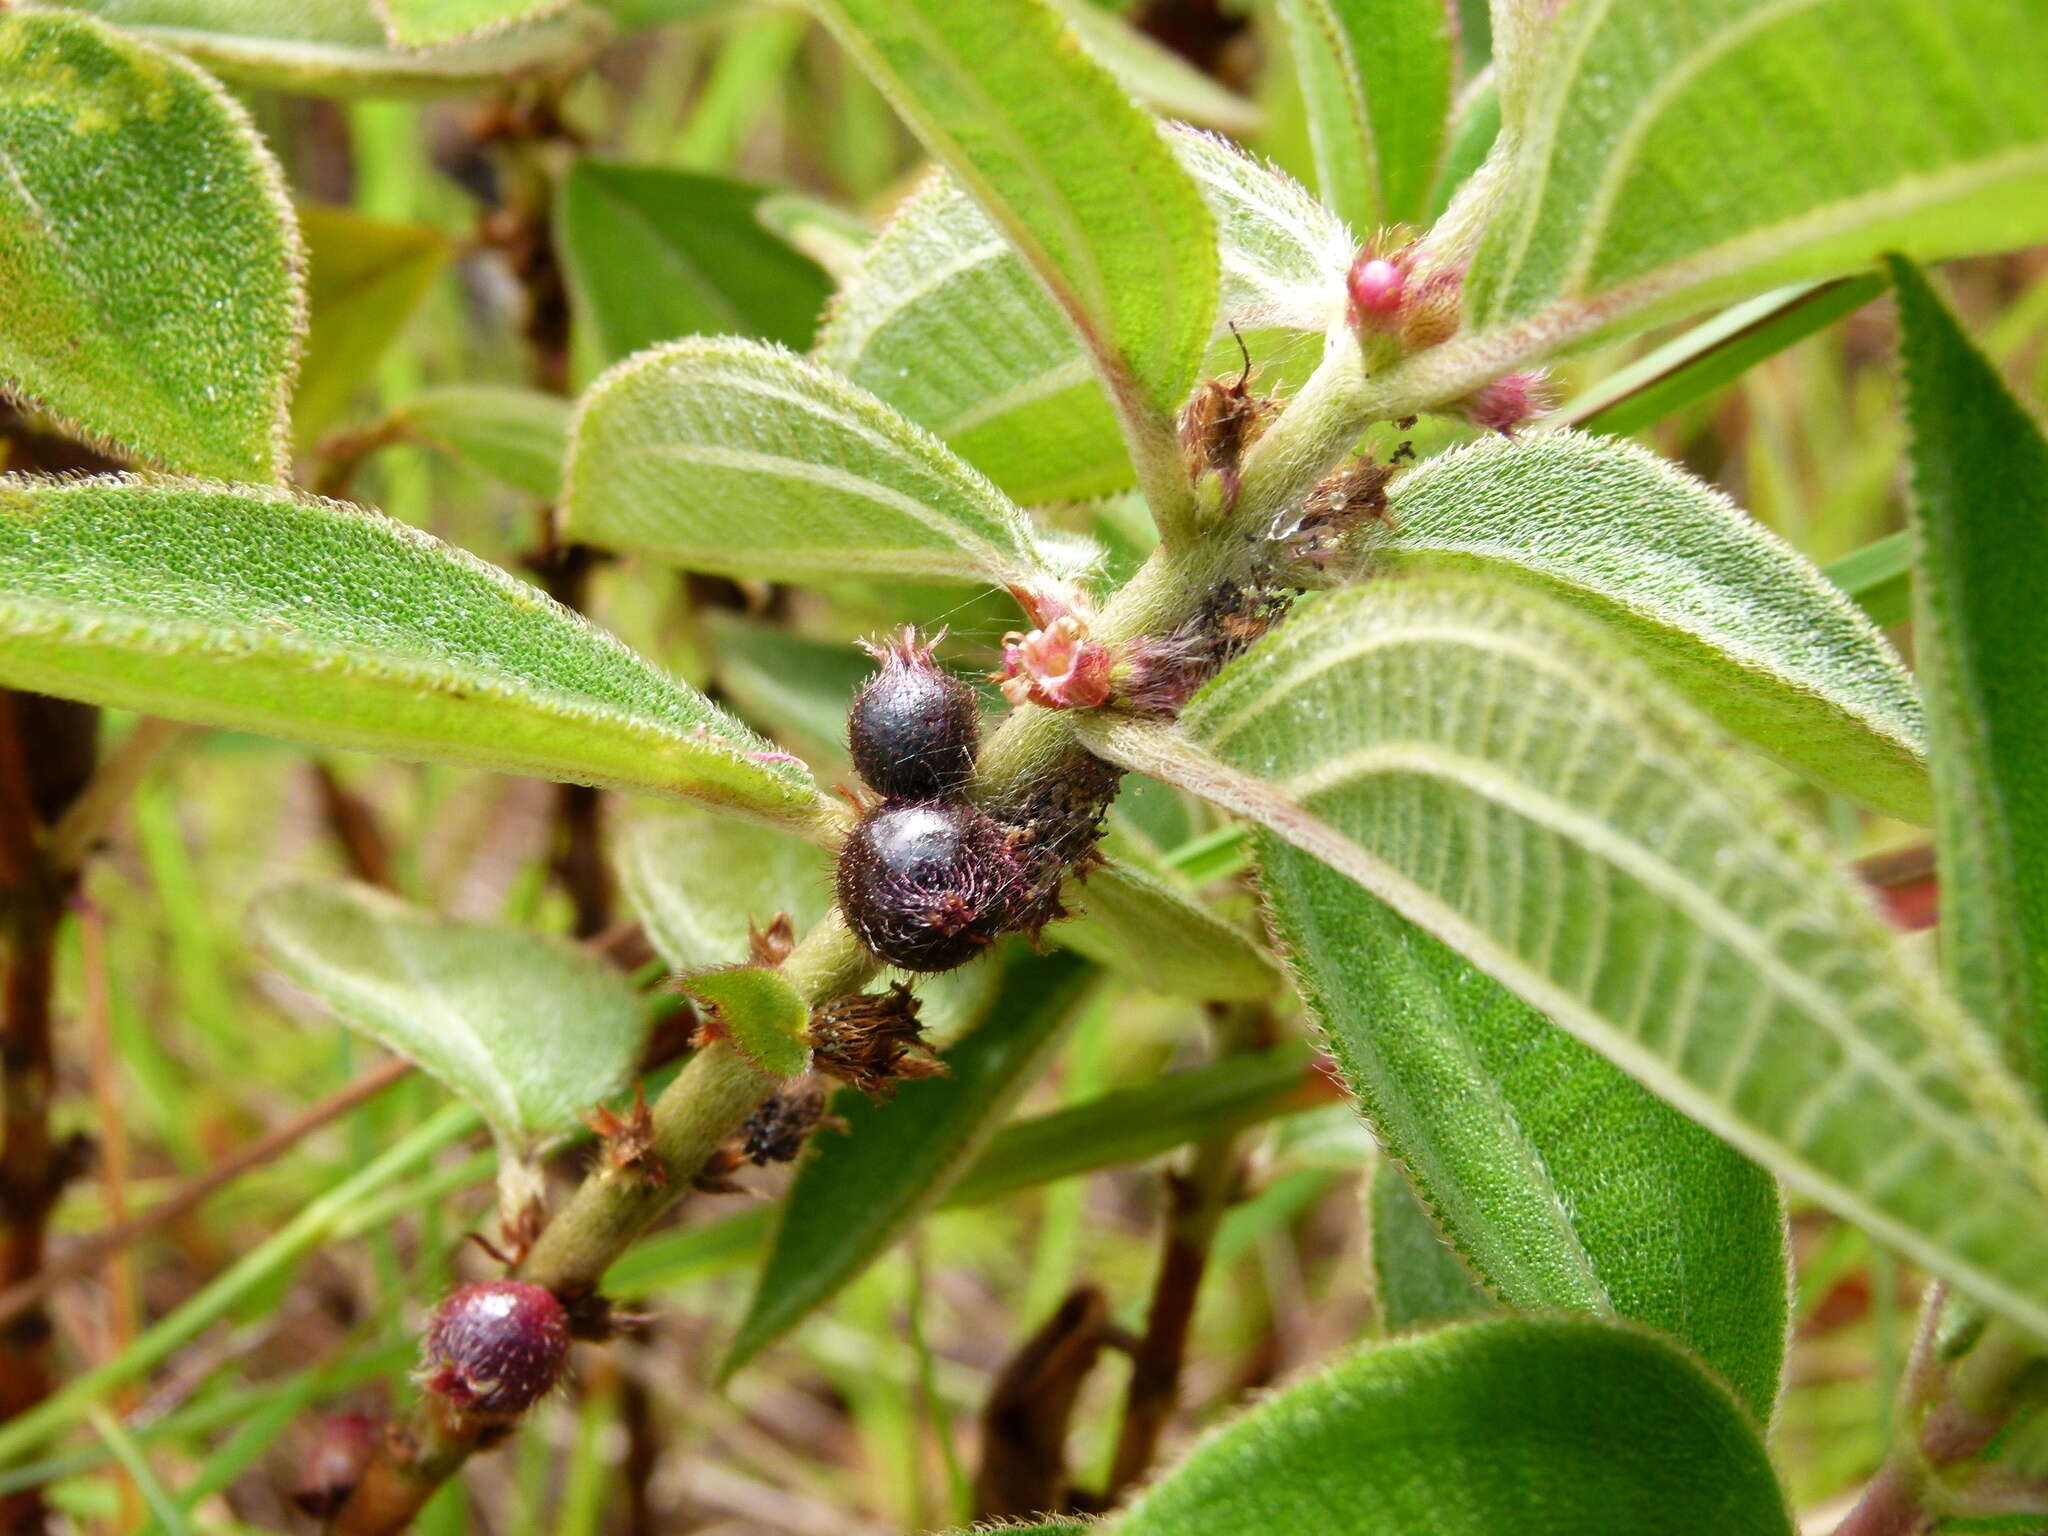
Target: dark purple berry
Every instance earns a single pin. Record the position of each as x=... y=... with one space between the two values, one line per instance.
x=495 y=1348
x=334 y=1461
x=915 y=726
x=927 y=885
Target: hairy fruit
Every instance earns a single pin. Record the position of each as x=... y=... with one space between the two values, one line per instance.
x=914 y=727
x=495 y=1348
x=925 y=885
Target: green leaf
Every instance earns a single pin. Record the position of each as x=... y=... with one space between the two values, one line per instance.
x=1879 y=576
x=1719 y=605
x=745 y=460
x=530 y=1029
x=1980 y=497
x=426 y=23
x=1077 y=178
x=857 y=1193
x=1539 y=1427
x=1669 y=153
x=340 y=47
x=1155 y=74
x=1566 y=1186
x=1474 y=127
x=1477 y=758
x=1376 y=77
x=320 y=622
x=1418 y=1279
x=761 y=1012
x=653 y=254
x=519 y=436
x=699 y=884
x=1138 y=918
x=364 y=278
x=152 y=269
x=945 y=322
x=1691 y=367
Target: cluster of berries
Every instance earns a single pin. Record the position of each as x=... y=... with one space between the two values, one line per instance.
x=926 y=879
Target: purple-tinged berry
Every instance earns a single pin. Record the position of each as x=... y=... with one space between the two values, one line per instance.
x=914 y=728
x=926 y=885
x=495 y=1348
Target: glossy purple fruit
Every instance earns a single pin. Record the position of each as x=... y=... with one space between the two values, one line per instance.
x=927 y=885
x=496 y=1347
x=914 y=727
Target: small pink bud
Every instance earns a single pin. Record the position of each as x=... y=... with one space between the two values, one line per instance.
x=1377 y=287
x=495 y=1348
x=1058 y=667
x=1510 y=401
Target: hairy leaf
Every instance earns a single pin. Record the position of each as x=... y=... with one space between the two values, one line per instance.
x=858 y=1193
x=1075 y=176
x=1541 y=1427
x=530 y=1029
x=425 y=23
x=520 y=436
x=1672 y=152
x=340 y=46
x=1980 y=483
x=945 y=323
x=1478 y=759
x=1139 y=919
x=796 y=688
x=364 y=278
x=700 y=884
x=1474 y=127
x=1566 y=1186
x=1718 y=604
x=152 y=271
x=745 y=460
x=1376 y=75
x=654 y=254
x=1418 y=1279
x=761 y=1012
x=320 y=622
x=1155 y=74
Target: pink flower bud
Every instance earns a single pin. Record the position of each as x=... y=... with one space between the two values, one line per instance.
x=1377 y=288
x=1510 y=401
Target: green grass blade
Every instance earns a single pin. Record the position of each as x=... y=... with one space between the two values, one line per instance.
x=1980 y=494
x=1879 y=576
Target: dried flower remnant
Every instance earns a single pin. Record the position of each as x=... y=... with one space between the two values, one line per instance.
x=777 y=1131
x=333 y=1461
x=872 y=1041
x=1220 y=423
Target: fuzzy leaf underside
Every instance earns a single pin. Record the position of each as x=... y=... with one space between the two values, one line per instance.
x=857 y=1193
x=1566 y=1186
x=154 y=280
x=429 y=23
x=340 y=47
x=1071 y=171
x=1722 y=608
x=1542 y=1427
x=1376 y=78
x=530 y=1029
x=1667 y=154
x=945 y=322
x=1482 y=761
x=1980 y=481
x=745 y=460
x=701 y=884
x=319 y=622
